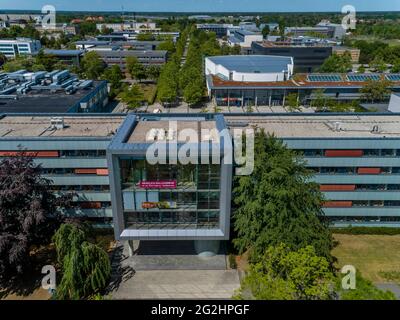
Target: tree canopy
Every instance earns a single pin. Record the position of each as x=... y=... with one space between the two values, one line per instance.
x=278 y=203
x=28 y=213
x=85 y=266
x=282 y=274
x=337 y=63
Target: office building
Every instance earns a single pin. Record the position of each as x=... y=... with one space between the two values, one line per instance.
x=67 y=57
x=19 y=46
x=118 y=57
x=244 y=39
x=307 y=58
x=101 y=158
x=220 y=29
x=128 y=26
x=339 y=87
x=50 y=92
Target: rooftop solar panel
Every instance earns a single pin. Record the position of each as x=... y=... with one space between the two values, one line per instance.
x=363 y=77
x=324 y=78
x=393 y=77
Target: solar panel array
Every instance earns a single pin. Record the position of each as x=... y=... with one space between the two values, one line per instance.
x=393 y=77
x=324 y=78
x=363 y=77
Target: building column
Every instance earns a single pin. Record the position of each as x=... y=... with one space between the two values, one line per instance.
x=270 y=98
x=228 y=98
x=284 y=98
x=133 y=245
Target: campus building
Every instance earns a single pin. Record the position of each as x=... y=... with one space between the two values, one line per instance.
x=58 y=91
x=102 y=160
x=19 y=46
x=308 y=87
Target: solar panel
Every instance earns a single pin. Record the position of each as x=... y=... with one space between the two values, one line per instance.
x=324 y=78
x=393 y=77
x=363 y=77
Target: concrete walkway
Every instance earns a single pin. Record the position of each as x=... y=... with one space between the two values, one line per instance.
x=179 y=284
x=167 y=271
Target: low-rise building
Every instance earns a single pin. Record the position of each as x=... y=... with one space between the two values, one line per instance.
x=19 y=46
x=50 y=92
x=244 y=39
x=68 y=57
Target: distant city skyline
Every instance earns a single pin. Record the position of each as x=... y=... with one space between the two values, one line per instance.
x=204 y=5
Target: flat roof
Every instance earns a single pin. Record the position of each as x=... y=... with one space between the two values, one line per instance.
x=44 y=101
x=253 y=63
x=314 y=126
x=145 y=130
x=298 y=81
x=63 y=52
x=75 y=126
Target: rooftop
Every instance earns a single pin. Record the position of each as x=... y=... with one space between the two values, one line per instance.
x=42 y=92
x=145 y=131
x=304 y=81
x=315 y=126
x=74 y=126
x=253 y=63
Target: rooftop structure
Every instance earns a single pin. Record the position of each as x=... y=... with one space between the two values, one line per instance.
x=12 y=126
x=324 y=126
x=254 y=68
x=50 y=92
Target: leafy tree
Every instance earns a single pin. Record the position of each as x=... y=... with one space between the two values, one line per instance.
x=283 y=274
x=278 y=203
x=135 y=68
x=265 y=31
x=114 y=76
x=167 y=90
x=86 y=267
x=153 y=72
x=28 y=212
x=379 y=64
x=3 y=59
x=337 y=63
x=292 y=102
x=92 y=65
x=47 y=61
x=193 y=92
x=132 y=96
x=375 y=90
x=167 y=45
x=365 y=290
x=361 y=69
x=396 y=67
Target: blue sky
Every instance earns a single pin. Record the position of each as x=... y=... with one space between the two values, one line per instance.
x=205 y=5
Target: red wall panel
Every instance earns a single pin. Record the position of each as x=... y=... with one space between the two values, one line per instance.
x=369 y=170
x=343 y=153
x=337 y=204
x=337 y=187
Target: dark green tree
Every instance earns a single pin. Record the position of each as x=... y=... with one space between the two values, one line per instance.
x=86 y=267
x=278 y=203
x=114 y=76
x=265 y=31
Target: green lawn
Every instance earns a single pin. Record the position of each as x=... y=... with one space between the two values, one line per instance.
x=370 y=254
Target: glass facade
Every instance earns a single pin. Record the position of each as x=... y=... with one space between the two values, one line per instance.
x=169 y=196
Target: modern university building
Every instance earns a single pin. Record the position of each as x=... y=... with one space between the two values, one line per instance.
x=101 y=158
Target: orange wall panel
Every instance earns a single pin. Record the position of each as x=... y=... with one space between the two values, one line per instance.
x=337 y=204
x=337 y=187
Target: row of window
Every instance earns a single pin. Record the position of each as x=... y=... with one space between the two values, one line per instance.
x=361 y=203
x=355 y=170
x=80 y=188
x=364 y=152
x=364 y=219
x=360 y=187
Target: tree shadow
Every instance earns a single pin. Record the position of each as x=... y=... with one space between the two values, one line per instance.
x=119 y=273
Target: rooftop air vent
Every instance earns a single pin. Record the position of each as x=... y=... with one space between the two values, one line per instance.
x=57 y=123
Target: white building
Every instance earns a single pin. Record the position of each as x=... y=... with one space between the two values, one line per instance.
x=244 y=38
x=129 y=26
x=252 y=68
x=20 y=46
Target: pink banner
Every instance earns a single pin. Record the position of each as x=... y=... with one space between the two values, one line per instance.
x=158 y=184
